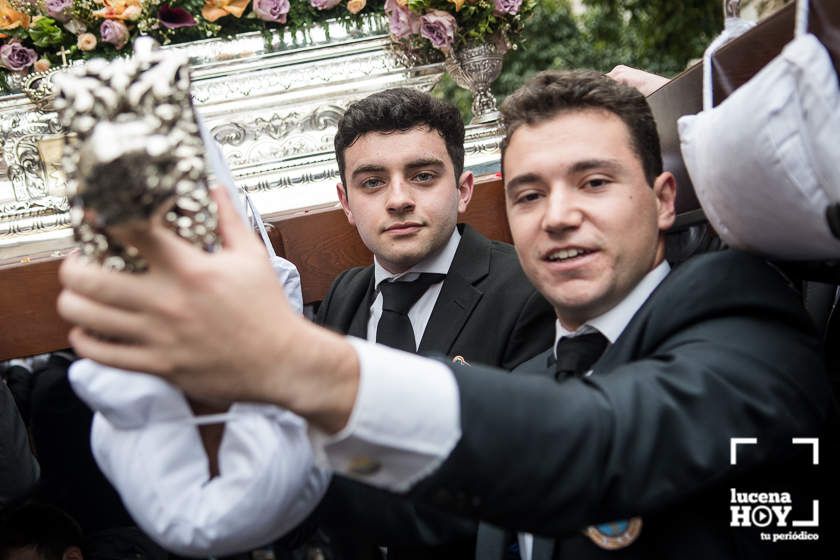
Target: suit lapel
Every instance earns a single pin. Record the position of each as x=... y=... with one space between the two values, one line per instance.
x=349 y=309
x=458 y=296
x=640 y=334
x=359 y=323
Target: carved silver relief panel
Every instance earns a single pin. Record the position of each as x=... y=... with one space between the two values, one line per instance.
x=273 y=113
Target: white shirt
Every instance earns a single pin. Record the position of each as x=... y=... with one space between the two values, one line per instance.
x=403 y=447
x=421 y=311
x=145 y=441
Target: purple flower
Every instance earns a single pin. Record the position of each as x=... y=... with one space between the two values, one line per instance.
x=114 y=32
x=507 y=6
x=174 y=18
x=403 y=22
x=439 y=28
x=324 y=4
x=16 y=57
x=59 y=10
x=271 y=10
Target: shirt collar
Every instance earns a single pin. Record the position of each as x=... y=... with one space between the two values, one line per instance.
x=612 y=323
x=438 y=262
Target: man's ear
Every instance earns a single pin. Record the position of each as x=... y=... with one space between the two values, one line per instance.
x=665 y=191
x=466 y=185
x=345 y=204
x=72 y=553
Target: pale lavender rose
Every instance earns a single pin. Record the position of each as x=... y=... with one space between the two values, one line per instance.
x=439 y=28
x=16 y=57
x=59 y=10
x=271 y=10
x=114 y=32
x=324 y=4
x=402 y=22
x=75 y=26
x=507 y=6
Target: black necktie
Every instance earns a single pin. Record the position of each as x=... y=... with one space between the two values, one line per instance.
x=576 y=354
x=394 y=328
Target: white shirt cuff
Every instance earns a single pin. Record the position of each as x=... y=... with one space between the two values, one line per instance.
x=405 y=422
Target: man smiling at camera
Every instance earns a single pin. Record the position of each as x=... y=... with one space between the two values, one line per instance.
x=616 y=437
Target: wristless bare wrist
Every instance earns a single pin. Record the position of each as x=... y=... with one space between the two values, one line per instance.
x=317 y=377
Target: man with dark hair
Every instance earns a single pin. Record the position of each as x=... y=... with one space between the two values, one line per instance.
x=401 y=159
x=618 y=437
x=400 y=110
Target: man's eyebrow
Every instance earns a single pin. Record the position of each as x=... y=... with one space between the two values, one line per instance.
x=367 y=168
x=521 y=179
x=590 y=164
x=425 y=162
x=576 y=168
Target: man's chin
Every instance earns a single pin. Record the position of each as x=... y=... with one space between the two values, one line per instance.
x=402 y=260
x=579 y=308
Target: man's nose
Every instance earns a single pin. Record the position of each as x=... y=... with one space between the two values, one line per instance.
x=563 y=211
x=400 y=196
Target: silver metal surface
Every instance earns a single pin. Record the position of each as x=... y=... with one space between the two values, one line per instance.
x=273 y=110
x=476 y=68
x=731 y=8
x=135 y=150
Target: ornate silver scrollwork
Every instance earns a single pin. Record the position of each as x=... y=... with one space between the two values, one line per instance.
x=731 y=8
x=136 y=152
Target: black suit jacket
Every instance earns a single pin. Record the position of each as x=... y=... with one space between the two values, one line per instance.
x=721 y=349
x=18 y=468
x=487 y=312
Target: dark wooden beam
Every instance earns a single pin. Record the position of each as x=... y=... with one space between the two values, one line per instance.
x=320 y=244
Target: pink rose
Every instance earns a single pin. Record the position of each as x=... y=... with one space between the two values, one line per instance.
x=16 y=57
x=507 y=6
x=271 y=10
x=115 y=32
x=439 y=28
x=324 y=4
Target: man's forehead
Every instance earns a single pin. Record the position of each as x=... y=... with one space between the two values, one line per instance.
x=397 y=147
x=573 y=138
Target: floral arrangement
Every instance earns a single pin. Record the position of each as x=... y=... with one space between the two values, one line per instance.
x=36 y=35
x=39 y=34
x=447 y=24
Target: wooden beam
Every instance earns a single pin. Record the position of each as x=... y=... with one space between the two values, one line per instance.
x=29 y=322
x=320 y=244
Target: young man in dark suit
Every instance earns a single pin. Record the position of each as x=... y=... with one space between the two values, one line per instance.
x=616 y=441
x=401 y=160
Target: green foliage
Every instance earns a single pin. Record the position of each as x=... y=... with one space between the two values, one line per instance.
x=45 y=33
x=660 y=36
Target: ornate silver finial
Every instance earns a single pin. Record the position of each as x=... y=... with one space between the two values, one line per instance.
x=731 y=8
x=38 y=87
x=136 y=151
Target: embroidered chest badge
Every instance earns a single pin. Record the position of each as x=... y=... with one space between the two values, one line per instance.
x=616 y=534
x=460 y=361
